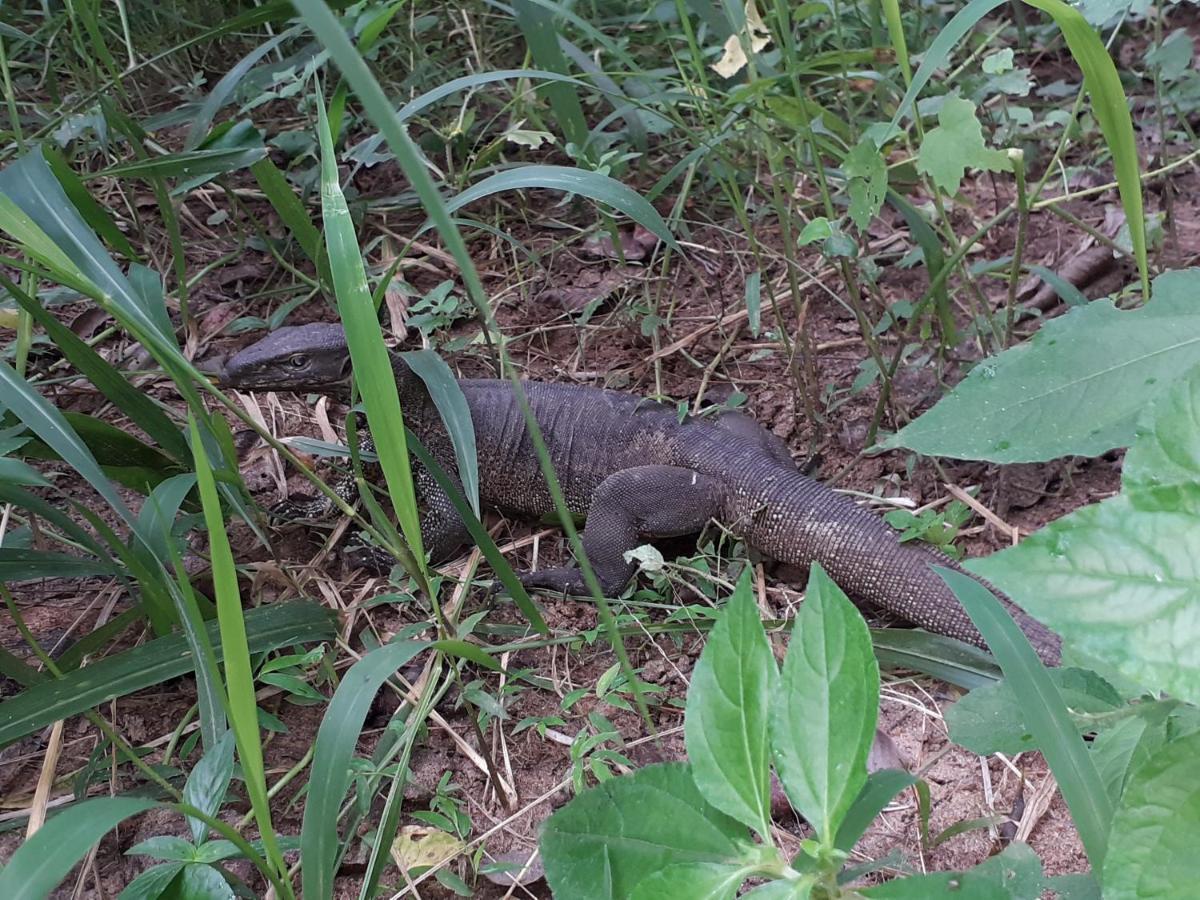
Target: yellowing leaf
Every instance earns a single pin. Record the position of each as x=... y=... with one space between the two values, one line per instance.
x=419 y=846
x=755 y=35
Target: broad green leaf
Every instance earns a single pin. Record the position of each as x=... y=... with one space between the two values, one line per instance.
x=206 y=785
x=188 y=164
x=332 y=752
x=1045 y=711
x=1162 y=469
x=957 y=144
x=452 y=407
x=609 y=838
x=1121 y=750
x=1121 y=585
x=152 y=884
x=1078 y=386
x=992 y=719
x=38 y=865
x=1015 y=874
x=728 y=704
x=267 y=627
x=201 y=881
x=692 y=881
x=1156 y=829
x=824 y=711
x=592 y=185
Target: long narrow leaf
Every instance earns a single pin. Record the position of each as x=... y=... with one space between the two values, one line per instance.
x=267 y=628
x=372 y=366
x=455 y=414
x=38 y=865
x=1046 y=714
x=239 y=676
x=592 y=185
x=332 y=752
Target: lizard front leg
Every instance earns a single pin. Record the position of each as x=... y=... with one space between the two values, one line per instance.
x=442 y=529
x=302 y=507
x=628 y=506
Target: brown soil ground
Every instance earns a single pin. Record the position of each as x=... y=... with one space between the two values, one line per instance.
x=703 y=346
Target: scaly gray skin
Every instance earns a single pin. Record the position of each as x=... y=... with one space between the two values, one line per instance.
x=636 y=472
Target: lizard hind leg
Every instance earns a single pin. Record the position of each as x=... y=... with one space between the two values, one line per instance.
x=629 y=506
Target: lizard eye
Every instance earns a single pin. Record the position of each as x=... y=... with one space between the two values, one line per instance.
x=298 y=361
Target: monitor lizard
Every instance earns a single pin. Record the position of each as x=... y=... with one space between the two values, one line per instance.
x=636 y=472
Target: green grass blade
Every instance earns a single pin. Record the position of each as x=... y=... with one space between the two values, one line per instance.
x=592 y=185
x=372 y=367
x=1111 y=109
x=18 y=564
x=332 y=752
x=1046 y=714
x=44 y=420
x=146 y=414
x=239 y=676
x=38 y=865
x=456 y=416
x=155 y=662
x=292 y=212
x=541 y=36
x=187 y=164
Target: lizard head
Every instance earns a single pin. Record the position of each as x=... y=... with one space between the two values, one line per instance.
x=295 y=358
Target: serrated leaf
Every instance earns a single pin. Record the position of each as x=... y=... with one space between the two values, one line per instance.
x=1162 y=469
x=823 y=714
x=1156 y=829
x=992 y=719
x=1121 y=750
x=1121 y=585
x=957 y=144
x=1078 y=386
x=728 y=704
x=611 y=837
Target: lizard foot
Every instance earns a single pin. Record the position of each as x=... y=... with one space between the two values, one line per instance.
x=358 y=554
x=300 y=507
x=560 y=580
